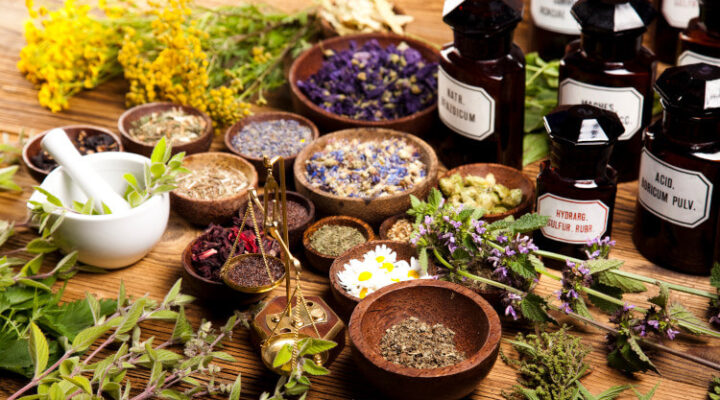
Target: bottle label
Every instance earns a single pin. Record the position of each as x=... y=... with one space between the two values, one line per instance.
x=680 y=196
x=626 y=102
x=467 y=110
x=554 y=16
x=690 y=57
x=573 y=221
x=678 y=13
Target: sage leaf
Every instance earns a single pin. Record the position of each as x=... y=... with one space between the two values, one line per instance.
x=627 y=285
x=40 y=246
x=172 y=293
x=311 y=368
x=182 y=331
x=315 y=346
x=132 y=316
x=80 y=382
x=39 y=349
x=283 y=356
x=236 y=387
x=88 y=336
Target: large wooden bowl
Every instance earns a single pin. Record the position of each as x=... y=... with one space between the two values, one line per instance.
x=477 y=333
x=309 y=62
x=133 y=145
x=508 y=176
x=373 y=211
x=33 y=147
x=262 y=117
x=217 y=211
x=346 y=302
x=320 y=261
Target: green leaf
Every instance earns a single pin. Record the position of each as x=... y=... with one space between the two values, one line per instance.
x=649 y=394
x=606 y=306
x=580 y=307
x=529 y=223
x=714 y=275
x=35 y=284
x=49 y=197
x=536 y=146
x=94 y=305
x=157 y=170
x=522 y=267
x=166 y=357
x=221 y=355
x=627 y=285
x=80 y=382
x=41 y=246
x=32 y=267
x=312 y=346
x=638 y=351
x=88 y=336
x=693 y=324
x=183 y=330
x=533 y=308
x=132 y=316
x=39 y=349
x=283 y=356
x=172 y=394
x=603 y=264
x=167 y=315
x=236 y=387
x=67 y=262
x=612 y=393
x=6 y=231
x=132 y=181
x=663 y=296
x=311 y=368
x=172 y=293
x=158 y=152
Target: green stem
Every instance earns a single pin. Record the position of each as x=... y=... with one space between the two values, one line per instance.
x=466 y=274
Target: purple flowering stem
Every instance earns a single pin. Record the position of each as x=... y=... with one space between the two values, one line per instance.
x=486 y=281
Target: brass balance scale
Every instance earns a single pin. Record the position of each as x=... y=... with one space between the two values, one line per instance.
x=280 y=322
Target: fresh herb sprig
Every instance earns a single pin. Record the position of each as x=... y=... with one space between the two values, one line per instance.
x=9 y=156
x=300 y=360
x=160 y=174
x=714 y=391
x=541 y=93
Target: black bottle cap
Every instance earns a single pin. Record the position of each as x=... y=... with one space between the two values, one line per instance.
x=582 y=137
x=614 y=17
x=482 y=16
x=694 y=89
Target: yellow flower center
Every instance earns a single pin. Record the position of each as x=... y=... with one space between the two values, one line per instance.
x=380 y=259
x=363 y=293
x=413 y=274
x=365 y=275
x=389 y=267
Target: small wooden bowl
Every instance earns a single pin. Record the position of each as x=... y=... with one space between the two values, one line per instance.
x=477 y=333
x=294 y=234
x=214 y=293
x=320 y=261
x=508 y=176
x=373 y=211
x=309 y=62
x=346 y=302
x=33 y=147
x=389 y=222
x=262 y=117
x=133 y=145
x=218 y=211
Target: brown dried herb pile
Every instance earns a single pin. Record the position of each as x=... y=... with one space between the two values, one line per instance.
x=415 y=344
x=401 y=230
x=176 y=125
x=212 y=182
x=251 y=271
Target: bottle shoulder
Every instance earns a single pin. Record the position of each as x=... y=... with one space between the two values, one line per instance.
x=514 y=61
x=576 y=59
x=552 y=181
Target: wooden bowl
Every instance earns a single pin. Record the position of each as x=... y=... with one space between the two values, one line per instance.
x=215 y=293
x=33 y=147
x=218 y=211
x=508 y=176
x=294 y=234
x=309 y=62
x=389 y=222
x=262 y=117
x=477 y=333
x=320 y=261
x=346 y=302
x=373 y=211
x=133 y=145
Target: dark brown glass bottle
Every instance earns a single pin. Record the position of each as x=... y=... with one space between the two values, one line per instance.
x=481 y=85
x=576 y=188
x=700 y=42
x=553 y=27
x=674 y=16
x=609 y=68
x=677 y=223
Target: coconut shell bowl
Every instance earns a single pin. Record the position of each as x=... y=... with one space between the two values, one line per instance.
x=33 y=148
x=477 y=334
x=389 y=222
x=296 y=229
x=221 y=210
x=346 y=302
x=508 y=176
x=133 y=145
x=257 y=162
x=309 y=62
x=375 y=210
x=320 y=261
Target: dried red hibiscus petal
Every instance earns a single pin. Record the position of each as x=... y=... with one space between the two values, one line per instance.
x=212 y=248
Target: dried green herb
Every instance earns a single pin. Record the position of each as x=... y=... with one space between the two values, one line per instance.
x=417 y=344
x=174 y=124
x=333 y=240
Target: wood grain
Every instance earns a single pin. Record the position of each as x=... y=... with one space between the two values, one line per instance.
x=19 y=111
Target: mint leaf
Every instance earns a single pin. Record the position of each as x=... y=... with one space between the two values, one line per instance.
x=603 y=264
x=603 y=304
x=529 y=223
x=715 y=276
x=627 y=285
x=39 y=349
x=283 y=356
x=661 y=299
x=534 y=308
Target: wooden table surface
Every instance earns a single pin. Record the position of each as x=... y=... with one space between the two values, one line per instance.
x=19 y=111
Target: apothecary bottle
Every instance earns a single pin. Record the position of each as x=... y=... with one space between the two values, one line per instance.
x=700 y=42
x=576 y=188
x=609 y=68
x=677 y=222
x=481 y=84
x=674 y=16
x=553 y=27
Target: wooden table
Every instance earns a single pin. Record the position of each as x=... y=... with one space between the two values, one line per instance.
x=19 y=111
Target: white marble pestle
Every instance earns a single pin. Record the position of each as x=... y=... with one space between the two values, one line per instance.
x=59 y=146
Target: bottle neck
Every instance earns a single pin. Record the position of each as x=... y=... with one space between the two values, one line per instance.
x=483 y=47
x=687 y=128
x=580 y=162
x=611 y=47
x=710 y=16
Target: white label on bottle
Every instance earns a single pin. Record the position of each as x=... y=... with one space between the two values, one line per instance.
x=626 y=102
x=554 y=16
x=573 y=221
x=680 y=196
x=679 y=12
x=690 y=57
x=626 y=18
x=450 y=5
x=468 y=110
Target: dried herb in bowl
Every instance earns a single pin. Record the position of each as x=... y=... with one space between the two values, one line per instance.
x=372 y=83
x=212 y=182
x=282 y=137
x=333 y=240
x=175 y=124
x=401 y=230
x=416 y=344
x=253 y=272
